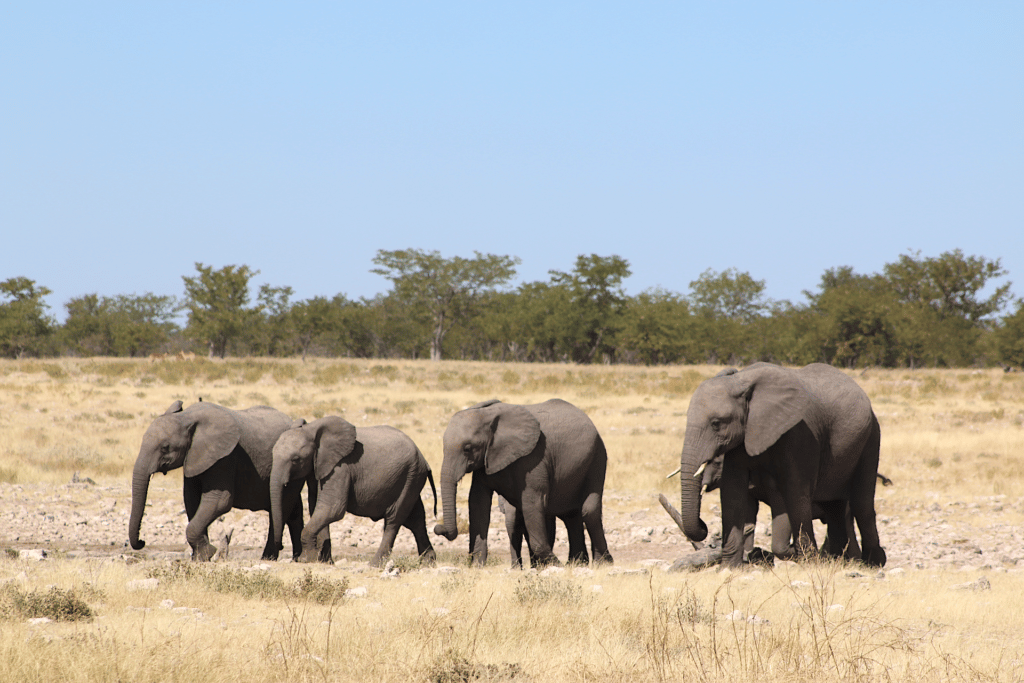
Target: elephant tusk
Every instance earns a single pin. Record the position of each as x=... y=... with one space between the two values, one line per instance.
x=675 y=472
x=700 y=470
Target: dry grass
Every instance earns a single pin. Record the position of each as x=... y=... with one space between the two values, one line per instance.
x=952 y=435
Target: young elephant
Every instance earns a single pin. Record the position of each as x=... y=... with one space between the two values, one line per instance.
x=375 y=472
x=226 y=456
x=547 y=460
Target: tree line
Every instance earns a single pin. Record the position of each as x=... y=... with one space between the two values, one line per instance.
x=919 y=311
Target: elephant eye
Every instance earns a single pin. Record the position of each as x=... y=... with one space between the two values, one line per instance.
x=467 y=447
x=716 y=424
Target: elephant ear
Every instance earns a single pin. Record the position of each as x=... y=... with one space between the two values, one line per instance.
x=215 y=433
x=175 y=408
x=335 y=439
x=515 y=433
x=297 y=423
x=776 y=402
x=726 y=372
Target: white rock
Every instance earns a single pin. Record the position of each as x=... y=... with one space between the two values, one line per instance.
x=597 y=588
x=440 y=611
x=357 y=592
x=34 y=554
x=800 y=584
x=167 y=604
x=548 y=571
x=40 y=620
x=143 y=584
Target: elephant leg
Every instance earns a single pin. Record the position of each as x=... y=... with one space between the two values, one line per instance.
x=749 y=523
x=795 y=477
x=480 y=496
x=549 y=526
x=387 y=541
x=207 y=497
x=862 y=502
x=514 y=527
x=326 y=512
x=840 y=540
x=537 y=524
x=323 y=539
x=212 y=505
x=592 y=514
x=734 y=495
x=416 y=522
x=577 y=542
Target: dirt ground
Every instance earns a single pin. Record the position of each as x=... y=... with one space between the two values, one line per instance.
x=82 y=519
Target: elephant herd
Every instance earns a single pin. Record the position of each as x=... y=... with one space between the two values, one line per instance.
x=804 y=441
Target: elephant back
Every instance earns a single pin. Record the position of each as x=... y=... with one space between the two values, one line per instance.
x=261 y=427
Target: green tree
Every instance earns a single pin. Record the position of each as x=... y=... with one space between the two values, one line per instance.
x=726 y=305
x=596 y=305
x=729 y=294
x=1009 y=337
x=24 y=325
x=273 y=335
x=950 y=284
x=217 y=303
x=447 y=290
x=944 y=312
x=656 y=328
x=860 y=319
x=123 y=325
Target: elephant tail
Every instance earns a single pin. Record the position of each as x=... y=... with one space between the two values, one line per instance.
x=430 y=478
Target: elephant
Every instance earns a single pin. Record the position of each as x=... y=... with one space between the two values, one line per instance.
x=801 y=437
x=226 y=456
x=547 y=460
x=516 y=529
x=840 y=539
x=375 y=472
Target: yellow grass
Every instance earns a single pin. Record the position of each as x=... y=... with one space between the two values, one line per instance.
x=952 y=435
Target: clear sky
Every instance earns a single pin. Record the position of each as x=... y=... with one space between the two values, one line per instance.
x=779 y=138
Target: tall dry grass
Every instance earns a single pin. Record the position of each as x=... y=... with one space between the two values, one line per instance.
x=948 y=435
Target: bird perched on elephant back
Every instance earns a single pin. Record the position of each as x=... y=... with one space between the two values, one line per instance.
x=375 y=472
x=810 y=432
x=226 y=455
x=547 y=460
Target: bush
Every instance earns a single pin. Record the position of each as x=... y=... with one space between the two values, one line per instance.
x=55 y=604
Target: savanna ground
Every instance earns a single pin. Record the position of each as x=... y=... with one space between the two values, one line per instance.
x=947 y=607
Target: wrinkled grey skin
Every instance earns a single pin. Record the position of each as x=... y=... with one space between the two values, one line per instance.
x=800 y=437
x=515 y=526
x=547 y=460
x=226 y=455
x=840 y=539
x=375 y=472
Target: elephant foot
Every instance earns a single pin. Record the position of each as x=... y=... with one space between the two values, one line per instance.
x=759 y=557
x=875 y=557
x=603 y=558
x=307 y=556
x=428 y=557
x=203 y=552
x=326 y=555
x=270 y=555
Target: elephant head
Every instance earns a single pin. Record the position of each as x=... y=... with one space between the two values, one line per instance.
x=749 y=409
x=313 y=448
x=489 y=436
x=195 y=439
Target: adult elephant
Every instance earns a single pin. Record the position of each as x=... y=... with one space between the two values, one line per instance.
x=547 y=460
x=375 y=472
x=226 y=455
x=810 y=432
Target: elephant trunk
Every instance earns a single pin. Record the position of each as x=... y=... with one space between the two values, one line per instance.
x=450 y=476
x=278 y=480
x=689 y=498
x=140 y=490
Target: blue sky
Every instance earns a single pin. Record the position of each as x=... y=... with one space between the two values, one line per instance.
x=777 y=138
